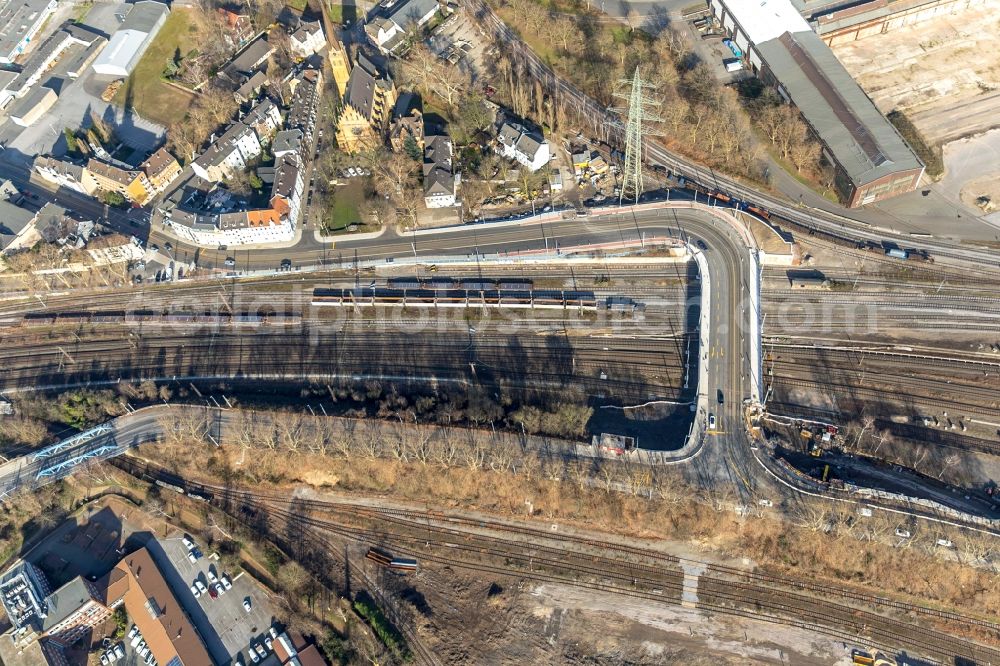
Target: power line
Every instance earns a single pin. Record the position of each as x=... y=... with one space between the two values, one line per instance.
x=640 y=103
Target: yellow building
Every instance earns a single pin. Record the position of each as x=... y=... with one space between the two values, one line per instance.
x=161 y=168
x=130 y=183
x=339 y=65
x=367 y=108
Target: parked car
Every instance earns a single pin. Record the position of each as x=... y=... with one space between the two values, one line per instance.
x=187 y=542
x=119 y=651
x=247 y=605
x=902 y=534
x=230 y=262
x=253 y=655
x=132 y=632
x=261 y=651
x=212 y=592
x=201 y=586
x=104 y=659
x=218 y=588
x=711 y=421
x=268 y=642
x=191 y=556
x=226 y=583
x=211 y=576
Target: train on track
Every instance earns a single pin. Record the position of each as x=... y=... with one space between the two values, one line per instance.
x=889 y=251
x=384 y=559
x=462 y=298
x=469 y=284
x=246 y=318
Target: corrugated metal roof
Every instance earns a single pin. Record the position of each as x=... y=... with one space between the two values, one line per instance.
x=763 y=20
x=862 y=141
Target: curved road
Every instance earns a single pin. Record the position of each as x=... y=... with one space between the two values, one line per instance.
x=730 y=350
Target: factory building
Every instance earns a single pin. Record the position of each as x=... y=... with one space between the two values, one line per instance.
x=871 y=160
x=130 y=41
x=20 y=21
x=844 y=21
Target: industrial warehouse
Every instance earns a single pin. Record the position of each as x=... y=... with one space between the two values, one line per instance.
x=131 y=40
x=871 y=159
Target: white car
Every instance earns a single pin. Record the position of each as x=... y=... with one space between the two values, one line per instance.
x=268 y=642
x=135 y=640
x=132 y=632
x=201 y=586
x=195 y=592
x=104 y=659
x=902 y=534
x=211 y=576
x=144 y=651
x=711 y=421
x=119 y=651
x=187 y=542
x=253 y=655
x=192 y=557
x=247 y=604
x=219 y=589
x=226 y=582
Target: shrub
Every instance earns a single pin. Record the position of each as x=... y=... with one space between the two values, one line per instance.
x=930 y=155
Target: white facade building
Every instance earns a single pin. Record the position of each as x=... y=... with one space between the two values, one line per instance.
x=527 y=148
x=232 y=151
x=307 y=39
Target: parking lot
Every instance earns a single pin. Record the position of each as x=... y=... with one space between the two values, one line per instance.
x=460 y=42
x=78 y=99
x=228 y=628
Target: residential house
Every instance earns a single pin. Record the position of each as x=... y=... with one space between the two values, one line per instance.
x=238 y=146
x=368 y=103
x=249 y=89
x=389 y=30
x=286 y=142
x=440 y=181
x=307 y=88
x=524 y=146
x=307 y=39
x=130 y=183
x=249 y=60
x=264 y=118
x=237 y=23
x=161 y=168
x=64 y=173
x=54 y=224
x=406 y=127
x=286 y=193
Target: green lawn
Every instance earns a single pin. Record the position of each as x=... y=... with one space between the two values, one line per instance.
x=297 y=5
x=145 y=91
x=343 y=211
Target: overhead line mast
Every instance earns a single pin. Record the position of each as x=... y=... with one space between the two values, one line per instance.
x=639 y=110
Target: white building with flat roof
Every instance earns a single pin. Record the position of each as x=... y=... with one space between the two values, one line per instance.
x=130 y=41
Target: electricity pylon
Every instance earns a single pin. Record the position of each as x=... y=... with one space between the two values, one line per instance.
x=639 y=112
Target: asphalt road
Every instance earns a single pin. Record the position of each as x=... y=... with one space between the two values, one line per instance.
x=730 y=346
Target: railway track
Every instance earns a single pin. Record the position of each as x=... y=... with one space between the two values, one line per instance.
x=461 y=542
